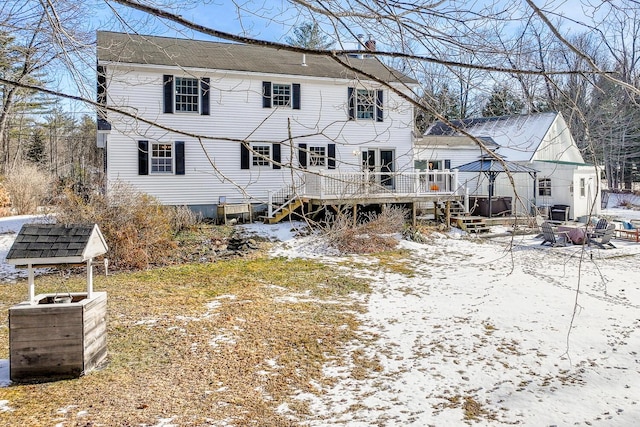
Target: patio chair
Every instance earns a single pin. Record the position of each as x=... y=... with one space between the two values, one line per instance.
x=602 y=240
x=554 y=239
x=539 y=222
x=600 y=227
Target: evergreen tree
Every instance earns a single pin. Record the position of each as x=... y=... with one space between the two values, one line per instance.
x=308 y=35
x=502 y=102
x=35 y=152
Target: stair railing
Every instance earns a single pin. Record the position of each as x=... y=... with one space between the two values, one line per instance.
x=282 y=198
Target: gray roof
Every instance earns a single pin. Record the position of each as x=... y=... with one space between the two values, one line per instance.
x=494 y=166
x=517 y=136
x=140 y=49
x=52 y=244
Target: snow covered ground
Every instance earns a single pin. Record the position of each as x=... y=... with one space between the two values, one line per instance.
x=510 y=331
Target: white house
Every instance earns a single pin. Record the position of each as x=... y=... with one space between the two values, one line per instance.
x=197 y=122
x=539 y=141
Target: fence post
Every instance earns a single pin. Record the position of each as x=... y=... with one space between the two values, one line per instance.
x=270 y=203
x=455 y=185
x=321 y=179
x=466 y=199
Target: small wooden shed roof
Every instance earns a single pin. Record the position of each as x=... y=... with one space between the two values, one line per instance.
x=52 y=244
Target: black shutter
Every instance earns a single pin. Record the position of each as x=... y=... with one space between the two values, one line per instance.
x=266 y=94
x=179 y=147
x=143 y=157
x=331 y=154
x=447 y=164
x=244 y=156
x=296 y=96
x=275 y=154
x=167 y=86
x=302 y=155
x=102 y=85
x=205 y=90
x=379 y=104
x=352 y=103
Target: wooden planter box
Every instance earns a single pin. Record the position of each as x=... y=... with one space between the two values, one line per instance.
x=51 y=340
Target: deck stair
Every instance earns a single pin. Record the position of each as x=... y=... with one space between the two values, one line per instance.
x=470 y=224
x=456 y=209
x=283 y=203
x=284 y=211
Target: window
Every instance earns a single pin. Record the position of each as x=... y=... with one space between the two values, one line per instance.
x=317 y=156
x=281 y=95
x=161 y=158
x=365 y=104
x=260 y=155
x=544 y=187
x=583 y=187
x=187 y=94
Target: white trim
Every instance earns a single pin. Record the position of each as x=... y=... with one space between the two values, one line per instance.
x=208 y=72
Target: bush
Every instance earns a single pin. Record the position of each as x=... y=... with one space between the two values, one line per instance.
x=183 y=218
x=137 y=228
x=376 y=233
x=28 y=187
x=5 y=201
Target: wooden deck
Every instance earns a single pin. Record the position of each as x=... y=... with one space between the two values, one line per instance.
x=354 y=189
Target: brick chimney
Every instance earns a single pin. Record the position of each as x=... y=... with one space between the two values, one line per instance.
x=370 y=44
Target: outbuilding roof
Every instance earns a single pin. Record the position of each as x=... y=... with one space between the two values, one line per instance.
x=517 y=136
x=184 y=53
x=51 y=244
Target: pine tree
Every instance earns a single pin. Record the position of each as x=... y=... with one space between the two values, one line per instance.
x=502 y=102
x=308 y=35
x=35 y=152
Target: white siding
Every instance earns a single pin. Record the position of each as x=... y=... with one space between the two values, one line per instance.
x=236 y=113
x=558 y=144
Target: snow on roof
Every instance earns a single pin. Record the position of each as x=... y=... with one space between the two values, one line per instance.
x=518 y=136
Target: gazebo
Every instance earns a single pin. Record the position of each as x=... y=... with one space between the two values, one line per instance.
x=493 y=165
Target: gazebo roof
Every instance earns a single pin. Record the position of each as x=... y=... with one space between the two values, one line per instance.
x=51 y=244
x=491 y=165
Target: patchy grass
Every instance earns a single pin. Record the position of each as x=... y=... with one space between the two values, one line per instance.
x=199 y=344
x=396 y=261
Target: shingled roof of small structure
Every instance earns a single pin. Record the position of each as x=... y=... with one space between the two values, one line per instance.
x=56 y=244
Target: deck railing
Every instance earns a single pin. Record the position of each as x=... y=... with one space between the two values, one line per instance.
x=365 y=185
x=337 y=185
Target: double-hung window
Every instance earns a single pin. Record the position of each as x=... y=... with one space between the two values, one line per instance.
x=161 y=158
x=317 y=156
x=366 y=104
x=285 y=95
x=260 y=155
x=544 y=187
x=281 y=95
x=187 y=95
x=164 y=158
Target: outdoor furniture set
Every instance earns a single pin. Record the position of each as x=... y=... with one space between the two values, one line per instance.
x=562 y=235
